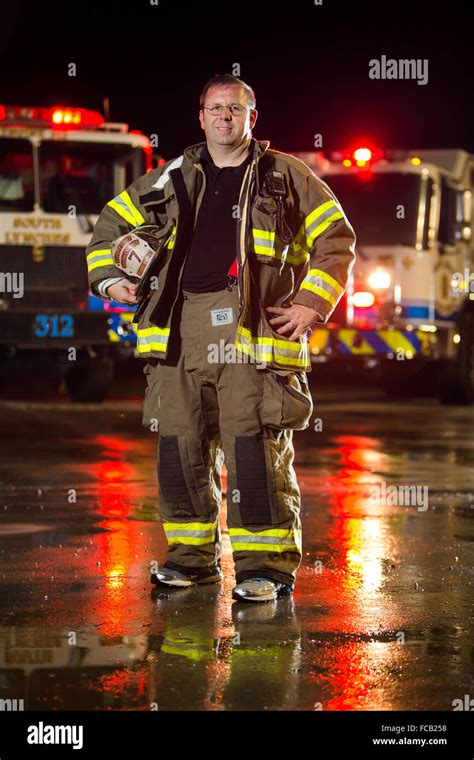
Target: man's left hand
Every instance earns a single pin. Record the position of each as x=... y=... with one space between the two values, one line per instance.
x=294 y=319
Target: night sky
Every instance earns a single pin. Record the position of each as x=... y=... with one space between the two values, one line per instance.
x=308 y=65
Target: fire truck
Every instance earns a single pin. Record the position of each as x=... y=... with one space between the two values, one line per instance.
x=408 y=313
x=58 y=167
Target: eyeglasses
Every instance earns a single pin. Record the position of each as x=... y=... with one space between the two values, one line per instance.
x=234 y=108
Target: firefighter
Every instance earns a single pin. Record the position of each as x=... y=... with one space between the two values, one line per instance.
x=255 y=249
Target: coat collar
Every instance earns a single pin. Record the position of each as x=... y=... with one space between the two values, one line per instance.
x=195 y=152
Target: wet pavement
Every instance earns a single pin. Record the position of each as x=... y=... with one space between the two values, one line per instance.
x=382 y=614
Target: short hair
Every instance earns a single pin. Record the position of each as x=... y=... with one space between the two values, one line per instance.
x=221 y=79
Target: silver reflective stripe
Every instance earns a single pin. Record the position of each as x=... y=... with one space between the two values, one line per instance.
x=120 y=202
x=262 y=540
x=190 y=533
x=163 y=179
x=264 y=242
x=155 y=338
x=316 y=222
x=319 y=282
x=92 y=259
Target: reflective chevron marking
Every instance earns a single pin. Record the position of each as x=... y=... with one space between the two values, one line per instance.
x=347 y=340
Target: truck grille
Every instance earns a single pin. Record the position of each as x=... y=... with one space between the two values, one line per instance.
x=58 y=281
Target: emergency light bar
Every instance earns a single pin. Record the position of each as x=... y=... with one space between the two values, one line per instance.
x=359 y=156
x=57 y=117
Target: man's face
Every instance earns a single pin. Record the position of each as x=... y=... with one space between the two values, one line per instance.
x=227 y=128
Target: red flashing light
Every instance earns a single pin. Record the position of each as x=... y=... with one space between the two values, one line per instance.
x=361 y=156
x=75 y=117
x=58 y=116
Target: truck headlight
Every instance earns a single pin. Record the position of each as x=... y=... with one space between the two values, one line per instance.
x=362 y=299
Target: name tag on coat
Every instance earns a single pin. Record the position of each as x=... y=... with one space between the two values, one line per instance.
x=222 y=316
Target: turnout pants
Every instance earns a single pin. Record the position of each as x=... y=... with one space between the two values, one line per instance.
x=212 y=405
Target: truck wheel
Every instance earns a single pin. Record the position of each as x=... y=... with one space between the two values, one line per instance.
x=90 y=380
x=457 y=378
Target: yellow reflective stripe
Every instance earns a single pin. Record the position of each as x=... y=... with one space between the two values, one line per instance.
x=291 y=540
x=317 y=212
x=102 y=258
x=264 y=242
x=249 y=350
x=264 y=251
x=171 y=240
x=263 y=349
x=139 y=219
x=100 y=252
x=294 y=345
x=271 y=357
x=124 y=207
x=269 y=249
x=104 y=263
x=192 y=534
x=319 y=292
x=325 y=214
x=189 y=526
x=326 y=278
x=323 y=226
x=143 y=348
x=272 y=532
x=266 y=234
x=161 y=335
x=125 y=213
x=190 y=540
x=297 y=258
x=147 y=332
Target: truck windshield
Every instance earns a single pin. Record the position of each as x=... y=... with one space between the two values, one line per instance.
x=82 y=176
x=16 y=175
x=382 y=208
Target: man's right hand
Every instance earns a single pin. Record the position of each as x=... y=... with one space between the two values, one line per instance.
x=123 y=292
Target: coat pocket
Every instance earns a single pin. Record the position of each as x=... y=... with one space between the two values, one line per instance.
x=287 y=401
x=151 y=399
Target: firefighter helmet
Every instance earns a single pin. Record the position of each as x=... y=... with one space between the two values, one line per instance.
x=135 y=251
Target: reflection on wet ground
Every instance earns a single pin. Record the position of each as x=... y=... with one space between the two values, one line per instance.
x=382 y=613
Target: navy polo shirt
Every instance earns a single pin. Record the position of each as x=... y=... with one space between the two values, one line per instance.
x=214 y=245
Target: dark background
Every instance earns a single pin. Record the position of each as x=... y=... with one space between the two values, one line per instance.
x=308 y=65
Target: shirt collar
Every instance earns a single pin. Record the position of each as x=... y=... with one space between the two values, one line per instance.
x=206 y=156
